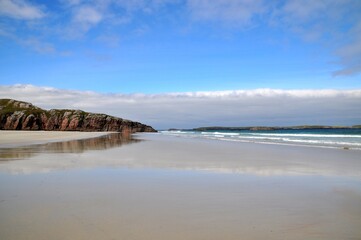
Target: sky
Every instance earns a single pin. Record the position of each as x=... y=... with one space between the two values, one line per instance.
x=187 y=63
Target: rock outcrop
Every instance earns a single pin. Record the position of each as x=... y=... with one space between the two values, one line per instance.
x=17 y=115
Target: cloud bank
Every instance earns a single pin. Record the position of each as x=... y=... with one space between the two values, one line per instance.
x=268 y=107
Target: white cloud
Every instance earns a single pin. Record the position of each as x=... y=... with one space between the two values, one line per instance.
x=143 y=5
x=71 y=2
x=193 y=109
x=38 y=46
x=87 y=15
x=336 y=24
x=235 y=12
x=350 y=54
x=333 y=24
x=20 y=9
x=304 y=10
x=34 y=43
x=350 y=58
x=84 y=18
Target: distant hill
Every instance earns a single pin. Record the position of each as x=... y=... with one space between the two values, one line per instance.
x=18 y=115
x=262 y=128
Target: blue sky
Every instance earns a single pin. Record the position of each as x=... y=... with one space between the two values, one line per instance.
x=140 y=46
x=51 y=52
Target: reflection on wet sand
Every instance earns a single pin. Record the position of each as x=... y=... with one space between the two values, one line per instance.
x=163 y=152
x=146 y=191
x=75 y=146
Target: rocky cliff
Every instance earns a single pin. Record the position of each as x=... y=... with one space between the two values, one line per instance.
x=17 y=115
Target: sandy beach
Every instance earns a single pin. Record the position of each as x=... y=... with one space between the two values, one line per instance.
x=162 y=187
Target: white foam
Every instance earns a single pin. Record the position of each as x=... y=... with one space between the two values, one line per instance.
x=280 y=139
x=306 y=135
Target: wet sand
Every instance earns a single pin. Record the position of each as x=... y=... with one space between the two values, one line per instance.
x=20 y=138
x=162 y=187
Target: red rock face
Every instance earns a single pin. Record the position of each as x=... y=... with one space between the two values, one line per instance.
x=31 y=123
x=64 y=124
x=29 y=117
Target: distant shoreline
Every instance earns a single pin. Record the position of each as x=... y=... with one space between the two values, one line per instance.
x=264 y=128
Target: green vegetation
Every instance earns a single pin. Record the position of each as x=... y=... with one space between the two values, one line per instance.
x=61 y=112
x=9 y=106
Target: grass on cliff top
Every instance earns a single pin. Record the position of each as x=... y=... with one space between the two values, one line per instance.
x=8 y=107
x=63 y=111
x=79 y=113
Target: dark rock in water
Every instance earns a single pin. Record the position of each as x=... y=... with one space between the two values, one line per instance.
x=17 y=115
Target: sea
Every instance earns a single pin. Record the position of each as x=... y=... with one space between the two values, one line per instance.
x=326 y=138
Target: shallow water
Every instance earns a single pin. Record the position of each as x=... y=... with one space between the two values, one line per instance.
x=321 y=138
x=171 y=188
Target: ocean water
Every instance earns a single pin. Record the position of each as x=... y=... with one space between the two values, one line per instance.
x=327 y=138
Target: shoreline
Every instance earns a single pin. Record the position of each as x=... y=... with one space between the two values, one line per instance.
x=18 y=138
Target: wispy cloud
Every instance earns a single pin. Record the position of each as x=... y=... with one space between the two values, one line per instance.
x=350 y=53
x=34 y=43
x=193 y=109
x=83 y=19
x=71 y=2
x=39 y=46
x=20 y=9
x=87 y=15
x=334 y=25
x=234 y=12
